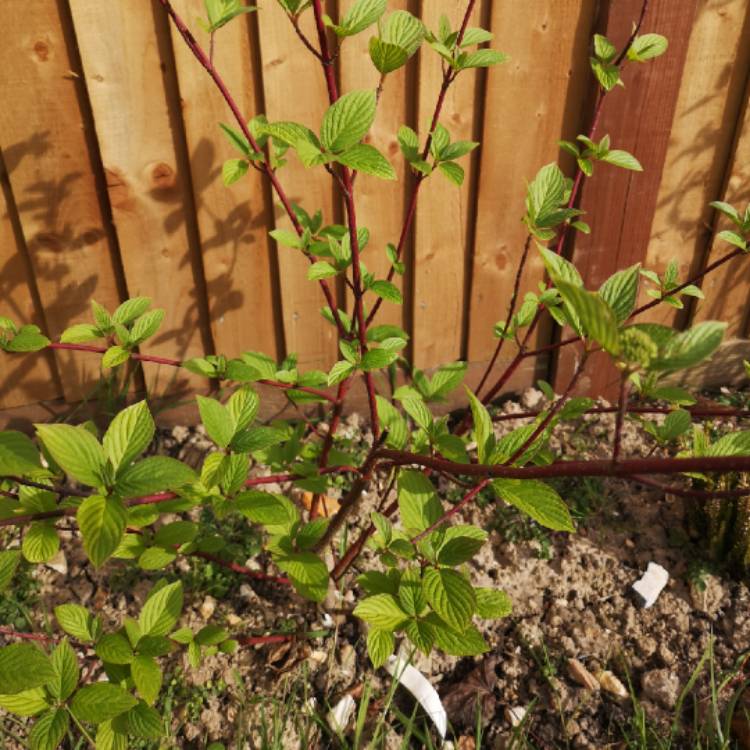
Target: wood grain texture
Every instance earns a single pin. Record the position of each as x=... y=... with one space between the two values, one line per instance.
x=233 y=221
x=532 y=101
x=125 y=52
x=24 y=378
x=619 y=203
x=727 y=288
x=294 y=89
x=709 y=103
x=380 y=204
x=51 y=172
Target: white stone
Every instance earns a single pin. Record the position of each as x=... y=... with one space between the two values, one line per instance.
x=58 y=563
x=515 y=715
x=339 y=716
x=651 y=584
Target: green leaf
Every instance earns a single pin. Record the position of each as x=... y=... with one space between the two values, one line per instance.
x=380 y=645
x=25 y=703
x=450 y=594
x=732 y=238
x=620 y=291
x=459 y=549
x=454 y=172
x=388 y=291
x=286 y=238
x=458 y=149
x=483 y=58
x=18 y=455
x=102 y=522
x=80 y=333
x=115 y=356
x=146 y=326
x=145 y=722
x=129 y=434
x=732 y=444
x=365 y=158
x=236 y=139
x=474 y=35
x=386 y=57
x=728 y=210
x=267 y=509
x=100 y=702
x=596 y=317
x=49 y=730
x=347 y=121
x=161 y=610
x=559 y=268
x=381 y=611
x=468 y=642
x=677 y=423
x=147 y=677
x=320 y=270
x=404 y=30
x=483 y=433
x=23 y=667
x=607 y=74
x=492 y=603
x=243 y=406
x=217 y=420
x=153 y=474
x=28 y=339
x=535 y=499
x=361 y=15
x=40 y=542
x=75 y=620
x=690 y=347
x=233 y=170
x=377 y=359
x=114 y=648
x=308 y=574
x=9 y=560
x=340 y=371
x=604 y=49
x=131 y=309
x=419 y=506
x=647 y=47
x=545 y=193
x=67 y=672
x=622 y=159
x=75 y=450
x=108 y=739
x=421 y=634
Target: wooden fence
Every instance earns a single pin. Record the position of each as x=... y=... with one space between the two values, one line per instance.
x=111 y=174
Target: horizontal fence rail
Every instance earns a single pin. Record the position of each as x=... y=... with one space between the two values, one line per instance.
x=111 y=155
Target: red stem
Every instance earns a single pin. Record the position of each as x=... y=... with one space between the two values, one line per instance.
x=695 y=411
x=688 y=492
x=622 y=405
x=467 y=498
x=241 y=569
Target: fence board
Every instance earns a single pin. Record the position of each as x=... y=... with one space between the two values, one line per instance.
x=295 y=90
x=445 y=210
x=619 y=202
x=235 y=245
x=532 y=101
x=710 y=98
x=726 y=290
x=380 y=205
x=127 y=79
x=52 y=179
x=24 y=378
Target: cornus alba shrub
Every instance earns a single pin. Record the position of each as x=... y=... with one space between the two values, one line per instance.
x=417 y=589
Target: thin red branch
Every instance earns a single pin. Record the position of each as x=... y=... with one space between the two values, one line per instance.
x=622 y=406
x=11 y=633
x=240 y=569
x=689 y=492
x=465 y=500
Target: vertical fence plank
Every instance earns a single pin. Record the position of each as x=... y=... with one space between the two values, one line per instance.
x=295 y=90
x=51 y=175
x=444 y=210
x=380 y=204
x=727 y=288
x=532 y=101
x=24 y=378
x=233 y=221
x=126 y=76
x=621 y=203
x=711 y=94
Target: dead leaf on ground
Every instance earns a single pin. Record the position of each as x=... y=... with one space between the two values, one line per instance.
x=476 y=689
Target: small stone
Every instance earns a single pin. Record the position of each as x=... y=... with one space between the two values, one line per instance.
x=180 y=433
x=208 y=607
x=339 y=716
x=707 y=596
x=612 y=684
x=514 y=715
x=58 y=563
x=651 y=584
x=532 y=398
x=578 y=673
x=318 y=657
x=233 y=620
x=348 y=661
x=662 y=686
